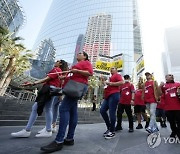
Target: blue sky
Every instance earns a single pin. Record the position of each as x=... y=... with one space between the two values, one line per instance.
x=35 y=12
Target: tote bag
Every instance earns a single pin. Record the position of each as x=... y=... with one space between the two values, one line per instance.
x=74 y=89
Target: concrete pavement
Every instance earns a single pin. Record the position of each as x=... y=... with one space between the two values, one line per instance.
x=88 y=140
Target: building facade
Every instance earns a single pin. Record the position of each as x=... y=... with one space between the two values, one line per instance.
x=11 y=15
x=66 y=20
x=98 y=36
x=172 y=52
x=46 y=51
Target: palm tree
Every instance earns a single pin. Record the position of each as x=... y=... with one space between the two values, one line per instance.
x=14 y=58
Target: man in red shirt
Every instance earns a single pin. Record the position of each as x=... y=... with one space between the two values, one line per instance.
x=111 y=99
x=172 y=104
x=151 y=97
x=126 y=99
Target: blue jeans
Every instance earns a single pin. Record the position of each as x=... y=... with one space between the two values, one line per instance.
x=48 y=114
x=55 y=108
x=110 y=103
x=68 y=115
x=151 y=108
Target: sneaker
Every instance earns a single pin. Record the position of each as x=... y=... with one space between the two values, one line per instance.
x=54 y=129
x=22 y=133
x=118 y=128
x=155 y=130
x=131 y=130
x=69 y=142
x=42 y=130
x=105 y=133
x=44 y=134
x=52 y=147
x=164 y=124
x=148 y=129
x=110 y=135
x=139 y=126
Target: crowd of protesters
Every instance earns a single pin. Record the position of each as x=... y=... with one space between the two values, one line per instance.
x=147 y=100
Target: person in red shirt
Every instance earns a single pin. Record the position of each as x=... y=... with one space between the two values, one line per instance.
x=139 y=106
x=150 y=96
x=126 y=99
x=172 y=104
x=111 y=99
x=160 y=112
x=51 y=81
x=57 y=100
x=68 y=108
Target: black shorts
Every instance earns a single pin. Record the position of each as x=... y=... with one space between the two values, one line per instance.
x=139 y=108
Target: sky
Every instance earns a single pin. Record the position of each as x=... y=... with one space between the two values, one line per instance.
x=35 y=12
x=155 y=17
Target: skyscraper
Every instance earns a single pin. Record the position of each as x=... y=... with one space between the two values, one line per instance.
x=11 y=15
x=98 y=36
x=172 y=54
x=66 y=20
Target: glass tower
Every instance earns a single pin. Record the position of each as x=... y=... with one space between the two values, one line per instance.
x=108 y=25
x=11 y=15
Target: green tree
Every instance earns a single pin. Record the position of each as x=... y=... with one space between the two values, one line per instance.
x=14 y=58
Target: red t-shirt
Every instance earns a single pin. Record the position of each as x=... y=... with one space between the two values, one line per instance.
x=162 y=103
x=170 y=97
x=126 y=91
x=112 y=89
x=84 y=65
x=138 y=97
x=53 y=74
x=149 y=92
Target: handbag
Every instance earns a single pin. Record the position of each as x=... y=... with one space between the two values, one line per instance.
x=74 y=89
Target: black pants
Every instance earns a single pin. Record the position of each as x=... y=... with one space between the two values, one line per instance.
x=120 y=111
x=94 y=107
x=174 y=119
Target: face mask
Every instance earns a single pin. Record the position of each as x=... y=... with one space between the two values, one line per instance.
x=126 y=80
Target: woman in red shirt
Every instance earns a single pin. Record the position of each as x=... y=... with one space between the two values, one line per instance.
x=111 y=99
x=68 y=108
x=139 y=106
x=51 y=81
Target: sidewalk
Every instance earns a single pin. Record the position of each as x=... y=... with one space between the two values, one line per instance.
x=88 y=140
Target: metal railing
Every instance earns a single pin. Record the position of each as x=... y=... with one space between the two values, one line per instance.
x=20 y=96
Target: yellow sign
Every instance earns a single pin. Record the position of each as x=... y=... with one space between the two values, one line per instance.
x=118 y=64
x=140 y=66
x=105 y=66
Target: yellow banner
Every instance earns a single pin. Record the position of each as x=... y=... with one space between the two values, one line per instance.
x=118 y=64
x=140 y=66
x=105 y=66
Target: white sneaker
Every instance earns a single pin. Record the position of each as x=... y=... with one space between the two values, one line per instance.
x=54 y=129
x=42 y=130
x=22 y=133
x=44 y=134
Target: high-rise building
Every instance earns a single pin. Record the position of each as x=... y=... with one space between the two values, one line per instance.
x=66 y=20
x=11 y=15
x=98 y=36
x=172 y=54
x=46 y=51
x=45 y=59
x=79 y=46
